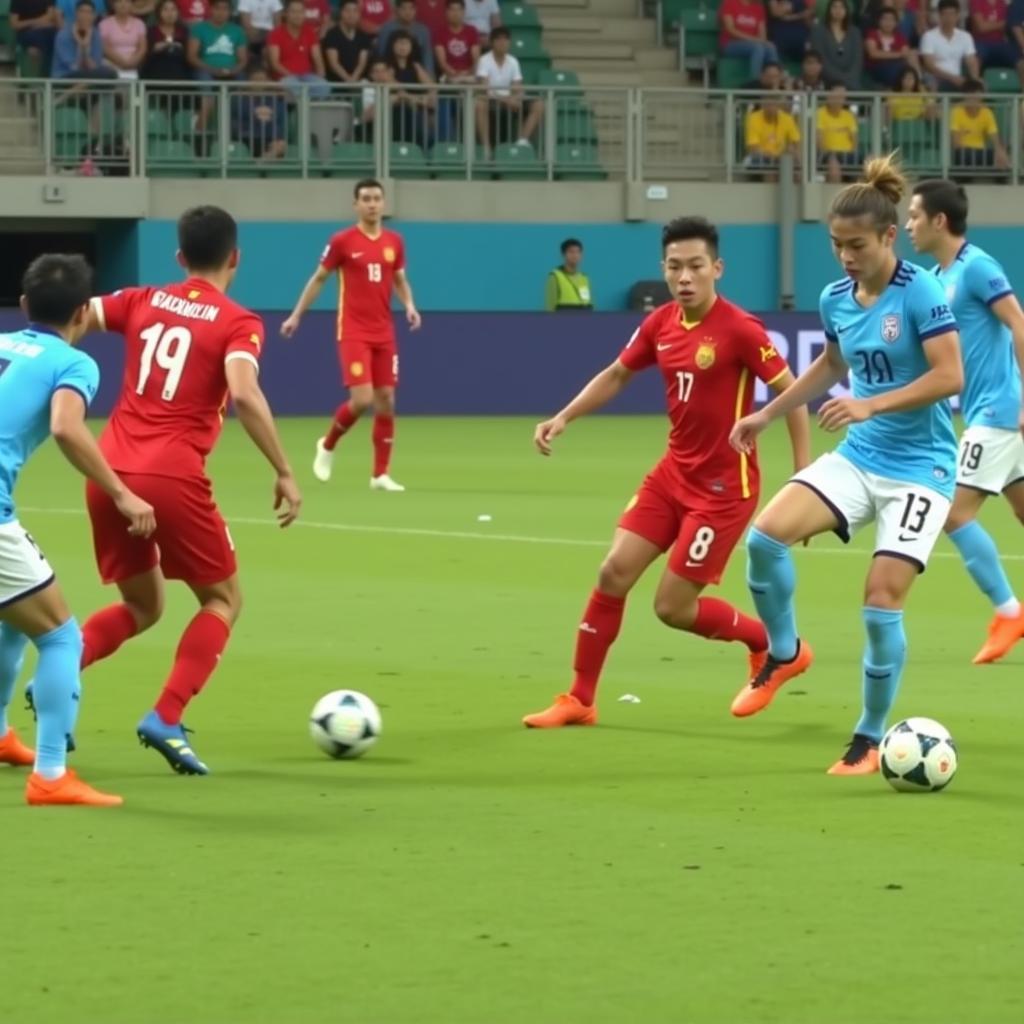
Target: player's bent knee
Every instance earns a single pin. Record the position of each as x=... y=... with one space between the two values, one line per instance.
x=615 y=578
x=675 y=614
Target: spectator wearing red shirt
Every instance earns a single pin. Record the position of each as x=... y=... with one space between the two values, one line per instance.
x=457 y=46
x=433 y=14
x=318 y=14
x=744 y=33
x=194 y=11
x=374 y=15
x=887 y=51
x=988 y=21
x=294 y=54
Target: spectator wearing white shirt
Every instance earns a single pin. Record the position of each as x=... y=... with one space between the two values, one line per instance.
x=500 y=113
x=484 y=16
x=948 y=52
x=259 y=18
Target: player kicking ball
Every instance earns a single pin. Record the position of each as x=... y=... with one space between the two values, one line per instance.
x=700 y=497
x=992 y=449
x=46 y=387
x=369 y=260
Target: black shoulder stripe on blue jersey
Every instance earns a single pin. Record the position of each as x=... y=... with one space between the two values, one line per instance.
x=936 y=331
x=996 y=298
x=841 y=287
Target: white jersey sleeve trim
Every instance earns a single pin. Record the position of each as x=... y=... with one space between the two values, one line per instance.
x=248 y=356
x=97 y=307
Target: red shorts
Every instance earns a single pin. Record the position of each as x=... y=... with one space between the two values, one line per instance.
x=191 y=541
x=704 y=531
x=366 y=363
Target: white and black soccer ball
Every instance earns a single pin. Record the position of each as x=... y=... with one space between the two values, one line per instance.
x=918 y=755
x=345 y=723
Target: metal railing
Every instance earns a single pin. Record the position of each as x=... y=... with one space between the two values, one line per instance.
x=261 y=129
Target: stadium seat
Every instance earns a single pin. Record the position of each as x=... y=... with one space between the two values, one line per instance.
x=574 y=122
x=674 y=11
x=534 y=67
x=158 y=124
x=171 y=158
x=350 y=160
x=700 y=32
x=578 y=163
x=514 y=162
x=567 y=82
x=1001 y=80
x=241 y=163
x=527 y=46
x=6 y=32
x=70 y=121
x=518 y=16
x=732 y=72
x=408 y=161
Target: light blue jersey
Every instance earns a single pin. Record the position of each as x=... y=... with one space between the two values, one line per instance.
x=991 y=395
x=883 y=346
x=34 y=363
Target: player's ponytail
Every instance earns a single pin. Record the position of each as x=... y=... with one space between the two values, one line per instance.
x=876 y=196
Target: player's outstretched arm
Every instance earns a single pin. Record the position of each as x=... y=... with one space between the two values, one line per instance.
x=1009 y=312
x=404 y=292
x=798 y=423
x=75 y=440
x=599 y=392
x=306 y=299
x=254 y=414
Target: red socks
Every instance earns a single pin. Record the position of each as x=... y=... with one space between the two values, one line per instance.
x=598 y=630
x=105 y=631
x=383 y=440
x=718 y=620
x=344 y=420
x=199 y=650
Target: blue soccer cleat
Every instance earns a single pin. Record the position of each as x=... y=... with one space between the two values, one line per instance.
x=172 y=742
x=30 y=704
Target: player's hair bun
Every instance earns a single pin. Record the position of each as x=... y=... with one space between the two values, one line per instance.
x=884 y=175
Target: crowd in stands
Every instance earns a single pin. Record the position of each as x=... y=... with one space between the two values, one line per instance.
x=280 y=47
x=910 y=49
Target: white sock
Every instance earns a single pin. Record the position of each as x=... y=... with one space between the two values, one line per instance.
x=1008 y=609
x=51 y=774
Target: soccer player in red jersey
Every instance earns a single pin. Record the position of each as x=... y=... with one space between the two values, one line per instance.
x=700 y=497
x=188 y=347
x=369 y=260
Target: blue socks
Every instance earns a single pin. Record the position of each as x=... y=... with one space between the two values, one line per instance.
x=771 y=577
x=12 y=655
x=56 y=692
x=981 y=558
x=884 y=658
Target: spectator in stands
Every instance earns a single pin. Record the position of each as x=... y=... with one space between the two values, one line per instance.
x=374 y=15
x=193 y=11
x=947 y=52
x=35 y=27
x=1015 y=26
x=887 y=50
x=78 y=49
x=457 y=49
x=789 y=26
x=167 y=50
x=405 y=21
x=259 y=116
x=988 y=22
x=769 y=132
x=567 y=286
x=217 y=52
x=434 y=15
x=380 y=76
x=484 y=16
x=504 y=113
x=911 y=17
x=909 y=100
x=347 y=47
x=976 y=141
x=772 y=77
x=841 y=46
x=812 y=73
x=412 y=105
x=294 y=54
x=124 y=39
x=744 y=33
x=836 y=135
x=319 y=15
x=259 y=18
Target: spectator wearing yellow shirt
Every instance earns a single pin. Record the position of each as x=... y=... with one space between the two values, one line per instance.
x=769 y=132
x=976 y=141
x=909 y=101
x=837 y=134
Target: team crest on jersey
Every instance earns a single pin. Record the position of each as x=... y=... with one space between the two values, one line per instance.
x=705 y=357
x=193 y=294
x=768 y=352
x=389 y=254
x=890 y=328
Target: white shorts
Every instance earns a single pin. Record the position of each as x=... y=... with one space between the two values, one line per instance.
x=23 y=567
x=990 y=459
x=909 y=517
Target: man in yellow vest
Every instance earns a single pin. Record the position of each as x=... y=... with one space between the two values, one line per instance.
x=567 y=286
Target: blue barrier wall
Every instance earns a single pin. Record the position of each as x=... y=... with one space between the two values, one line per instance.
x=462 y=364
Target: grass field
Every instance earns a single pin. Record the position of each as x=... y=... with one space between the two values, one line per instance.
x=672 y=865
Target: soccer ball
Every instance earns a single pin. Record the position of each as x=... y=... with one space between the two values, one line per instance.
x=918 y=756
x=345 y=723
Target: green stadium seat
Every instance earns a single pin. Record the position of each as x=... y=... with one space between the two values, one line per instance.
x=241 y=163
x=700 y=32
x=514 y=162
x=732 y=72
x=350 y=160
x=1001 y=80
x=158 y=124
x=574 y=123
x=527 y=46
x=534 y=67
x=673 y=11
x=519 y=16
x=408 y=161
x=448 y=160
x=568 y=82
x=70 y=121
x=578 y=163
x=172 y=158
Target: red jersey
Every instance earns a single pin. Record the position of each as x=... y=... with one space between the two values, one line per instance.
x=748 y=18
x=709 y=370
x=990 y=10
x=366 y=275
x=194 y=10
x=178 y=340
x=373 y=14
x=458 y=47
x=295 y=52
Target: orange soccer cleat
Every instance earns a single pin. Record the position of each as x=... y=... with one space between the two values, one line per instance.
x=14 y=752
x=770 y=676
x=1003 y=633
x=68 y=789
x=567 y=710
x=861 y=757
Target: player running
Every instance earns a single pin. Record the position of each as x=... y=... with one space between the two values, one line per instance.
x=369 y=260
x=992 y=448
x=887 y=323
x=187 y=348
x=46 y=387
x=700 y=497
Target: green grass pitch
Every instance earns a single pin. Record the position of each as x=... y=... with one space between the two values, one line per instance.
x=671 y=865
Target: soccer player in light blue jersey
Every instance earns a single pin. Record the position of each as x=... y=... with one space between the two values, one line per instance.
x=992 y=447
x=888 y=324
x=46 y=387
